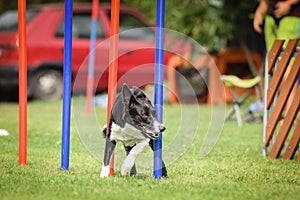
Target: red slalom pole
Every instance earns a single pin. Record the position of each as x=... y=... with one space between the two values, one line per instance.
x=113 y=64
x=90 y=78
x=22 y=82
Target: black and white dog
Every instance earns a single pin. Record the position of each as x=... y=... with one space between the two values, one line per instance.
x=133 y=122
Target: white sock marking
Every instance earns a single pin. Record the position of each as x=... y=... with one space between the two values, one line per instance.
x=104 y=171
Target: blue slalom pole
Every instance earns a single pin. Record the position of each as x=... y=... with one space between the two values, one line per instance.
x=158 y=79
x=67 y=85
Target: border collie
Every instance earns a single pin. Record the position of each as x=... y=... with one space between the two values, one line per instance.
x=133 y=122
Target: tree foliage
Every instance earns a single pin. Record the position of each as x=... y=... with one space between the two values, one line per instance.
x=209 y=22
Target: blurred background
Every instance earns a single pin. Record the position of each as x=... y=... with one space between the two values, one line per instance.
x=222 y=27
x=214 y=24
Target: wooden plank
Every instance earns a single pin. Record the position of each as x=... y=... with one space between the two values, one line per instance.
x=293 y=144
x=274 y=53
x=283 y=96
x=286 y=126
x=278 y=74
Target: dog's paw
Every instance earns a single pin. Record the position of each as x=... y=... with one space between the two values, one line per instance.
x=127 y=165
x=104 y=171
x=125 y=169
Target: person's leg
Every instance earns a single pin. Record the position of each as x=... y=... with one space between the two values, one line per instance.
x=270 y=30
x=289 y=28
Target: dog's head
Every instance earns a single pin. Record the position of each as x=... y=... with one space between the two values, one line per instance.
x=140 y=113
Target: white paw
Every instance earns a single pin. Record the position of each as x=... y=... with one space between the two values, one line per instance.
x=104 y=171
x=127 y=165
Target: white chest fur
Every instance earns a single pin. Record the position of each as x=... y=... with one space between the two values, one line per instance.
x=128 y=135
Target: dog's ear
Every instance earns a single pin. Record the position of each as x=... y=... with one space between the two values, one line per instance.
x=138 y=93
x=126 y=94
x=135 y=88
x=121 y=106
x=126 y=101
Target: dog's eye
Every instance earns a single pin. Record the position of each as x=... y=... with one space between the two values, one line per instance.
x=144 y=116
x=144 y=113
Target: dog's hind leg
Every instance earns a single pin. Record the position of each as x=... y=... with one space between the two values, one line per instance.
x=164 y=169
x=109 y=149
x=133 y=171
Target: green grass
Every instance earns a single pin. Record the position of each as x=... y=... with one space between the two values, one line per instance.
x=234 y=169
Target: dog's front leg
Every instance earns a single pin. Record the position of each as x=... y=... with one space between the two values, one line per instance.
x=109 y=149
x=130 y=159
x=133 y=171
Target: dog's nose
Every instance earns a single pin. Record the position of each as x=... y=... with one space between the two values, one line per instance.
x=161 y=128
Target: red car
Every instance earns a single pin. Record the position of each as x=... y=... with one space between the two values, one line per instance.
x=45 y=49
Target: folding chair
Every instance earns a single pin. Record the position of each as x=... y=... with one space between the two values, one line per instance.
x=232 y=81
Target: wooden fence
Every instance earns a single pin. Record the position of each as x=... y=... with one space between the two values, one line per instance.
x=280 y=87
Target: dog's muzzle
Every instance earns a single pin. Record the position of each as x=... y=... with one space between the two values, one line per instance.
x=161 y=128
x=155 y=134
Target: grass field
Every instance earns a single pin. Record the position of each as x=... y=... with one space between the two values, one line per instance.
x=234 y=169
